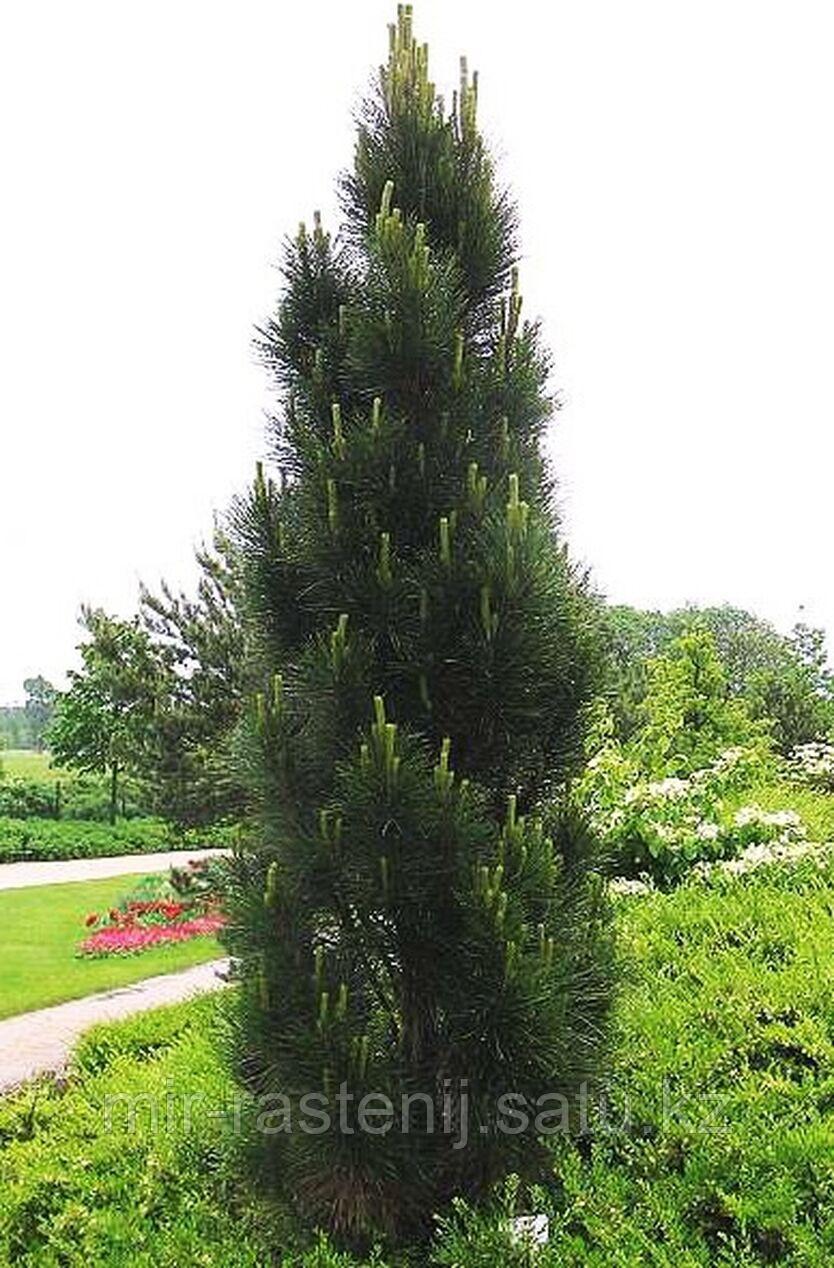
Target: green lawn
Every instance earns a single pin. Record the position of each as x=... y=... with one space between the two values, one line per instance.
x=25 y=763
x=41 y=928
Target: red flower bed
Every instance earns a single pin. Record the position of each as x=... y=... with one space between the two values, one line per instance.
x=137 y=925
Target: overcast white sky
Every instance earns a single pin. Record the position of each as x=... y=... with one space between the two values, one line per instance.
x=673 y=166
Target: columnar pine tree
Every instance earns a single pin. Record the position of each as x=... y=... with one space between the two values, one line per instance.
x=412 y=918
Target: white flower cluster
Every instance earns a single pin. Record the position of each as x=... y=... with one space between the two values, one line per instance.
x=708 y=831
x=813 y=764
x=760 y=853
x=787 y=822
x=671 y=788
x=660 y=831
x=675 y=789
x=730 y=757
x=627 y=887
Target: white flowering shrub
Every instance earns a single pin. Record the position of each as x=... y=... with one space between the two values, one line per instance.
x=813 y=765
x=788 y=847
x=631 y=886
x=752 y=825
x=657 y=831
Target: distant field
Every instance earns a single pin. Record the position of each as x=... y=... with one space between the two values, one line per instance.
x=25 y=763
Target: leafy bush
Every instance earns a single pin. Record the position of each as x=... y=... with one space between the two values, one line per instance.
x=483 y=1238
x=81 y=1190
x=657 y=800
x=75 y=797
x=719 y=1149
x=142 y=1036
x=27 y=798
x=86 y=1187
x=688 y=715
x=660 y=814
x=815 y=808
x=662 y=828
x=27 y=840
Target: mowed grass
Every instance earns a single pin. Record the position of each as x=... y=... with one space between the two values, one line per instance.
x=41 y=928
x=25 y=763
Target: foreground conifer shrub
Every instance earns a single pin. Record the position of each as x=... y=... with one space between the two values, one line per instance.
x=419 y=936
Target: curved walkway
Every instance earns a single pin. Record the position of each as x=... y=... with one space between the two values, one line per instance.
x=34 y=1043
x=22 y=875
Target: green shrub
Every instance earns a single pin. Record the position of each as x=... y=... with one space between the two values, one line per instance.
x=72 y=797
x=25 y=798
x=84 y=1189
x=688 y=715
x=723 y=1080
x=143 y=1036
x=81 y=1190
x=715 y=1144
x=27 y=840
x=815 y=808
x=483 y=1238
x=662 y=828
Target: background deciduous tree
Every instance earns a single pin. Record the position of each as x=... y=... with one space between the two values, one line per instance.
x=104 y=721
x=781 y=678
x=39 y=706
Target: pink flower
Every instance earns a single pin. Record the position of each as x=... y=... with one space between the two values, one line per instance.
x=133 y=937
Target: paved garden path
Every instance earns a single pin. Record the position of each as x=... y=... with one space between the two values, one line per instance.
x=21 y=875
x=34 y=1043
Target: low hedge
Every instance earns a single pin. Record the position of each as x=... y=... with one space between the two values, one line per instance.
x=64 y=797
x=83 y=1192
x=29 y=840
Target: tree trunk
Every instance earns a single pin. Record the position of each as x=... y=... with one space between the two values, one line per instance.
x=114 y=790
